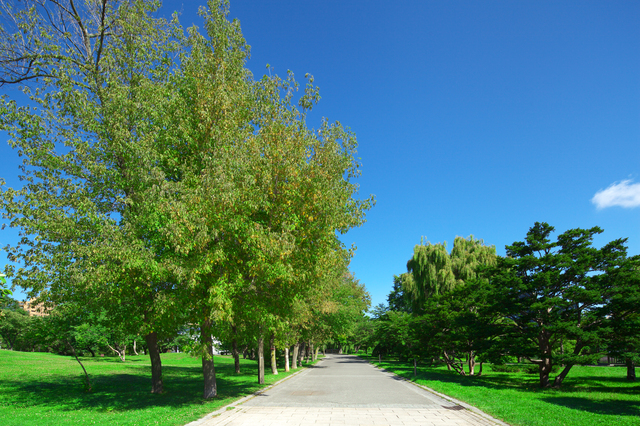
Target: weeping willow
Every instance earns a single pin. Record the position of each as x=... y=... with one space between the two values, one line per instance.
x=433 y=271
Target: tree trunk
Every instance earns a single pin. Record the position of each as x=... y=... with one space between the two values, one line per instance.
x=631 y=369
x=544 y=365
x=472 y=362
x=234 y=350
x=315 y=357
x=286 y=359
x=294 y=356
x=458 y=366
x=87 y=383
x=122 y=353
x=134 y=347
x=415 y=367
x=244 y=352
x=261 y=360
x=272 y=345
x=446 y=359
x=302 y=348
x=208 y=369
x=480 y=371
x=309 y=352
x=93 y=354
x=156 y=364
x=544 y=368
x=560 y=377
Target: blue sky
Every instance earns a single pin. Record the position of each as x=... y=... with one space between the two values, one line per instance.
x=472 y=117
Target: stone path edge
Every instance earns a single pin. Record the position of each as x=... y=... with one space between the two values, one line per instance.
x=244 y=399
x=447 y=397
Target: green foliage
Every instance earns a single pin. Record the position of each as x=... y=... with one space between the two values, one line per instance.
x=551 y=303
x=396 y=333
x=551 y=291
x=4 y=292
x=434 y=271
x=16 y=326
x=164 y=186
x=398 y=299
x=445 y=295
x=622 y=313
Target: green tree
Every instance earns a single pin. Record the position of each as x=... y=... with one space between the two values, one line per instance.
x=160 y=175
x=397 y=299
x=15 y=324
x=444 y=291
x=622 y=313
x=550 y=291
x=92 y=142
x=396 y=333
x=461 y=325
x=434 y=271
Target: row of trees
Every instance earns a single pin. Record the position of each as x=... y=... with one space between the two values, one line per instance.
x=164 y=186
x=555 y=303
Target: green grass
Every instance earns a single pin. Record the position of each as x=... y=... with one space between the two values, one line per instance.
x=45 y=389
x=589 y=396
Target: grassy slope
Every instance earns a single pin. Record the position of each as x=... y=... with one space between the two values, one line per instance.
x=45 y=389
x=590 y=396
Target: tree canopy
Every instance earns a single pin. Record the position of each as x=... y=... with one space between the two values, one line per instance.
x=160 y=175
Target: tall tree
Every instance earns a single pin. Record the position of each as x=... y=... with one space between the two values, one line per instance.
x=91 y=142
x=622 y=313
x=434 y=271
x=397 y=299
x=552 y=290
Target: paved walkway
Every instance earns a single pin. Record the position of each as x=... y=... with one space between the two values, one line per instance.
x=345 y=390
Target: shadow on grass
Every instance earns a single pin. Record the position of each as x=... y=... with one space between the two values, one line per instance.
x=607 y=407
x=112 y=359
x=515 y=381
x=124 y=392
x=527 y=383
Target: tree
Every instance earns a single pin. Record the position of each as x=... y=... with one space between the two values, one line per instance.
x=92 y=143
x=622 y=313
x=552 y=290
x=434 y=271
x=396 y=333
x=444 y=291
x=15 y=323
x=345 y=310
x=461 y=325
x=397 y=299
x=160 y=175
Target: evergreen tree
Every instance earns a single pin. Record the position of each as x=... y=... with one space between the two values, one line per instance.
x=553 y=290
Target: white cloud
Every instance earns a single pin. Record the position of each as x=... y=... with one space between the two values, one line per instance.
x=623 y=194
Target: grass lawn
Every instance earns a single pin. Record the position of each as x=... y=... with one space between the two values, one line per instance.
x=45 y=389
x=589 y=396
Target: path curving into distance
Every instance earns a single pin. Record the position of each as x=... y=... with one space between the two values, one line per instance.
x=346 y=390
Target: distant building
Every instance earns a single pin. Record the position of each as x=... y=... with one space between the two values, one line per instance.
x=35 y=309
